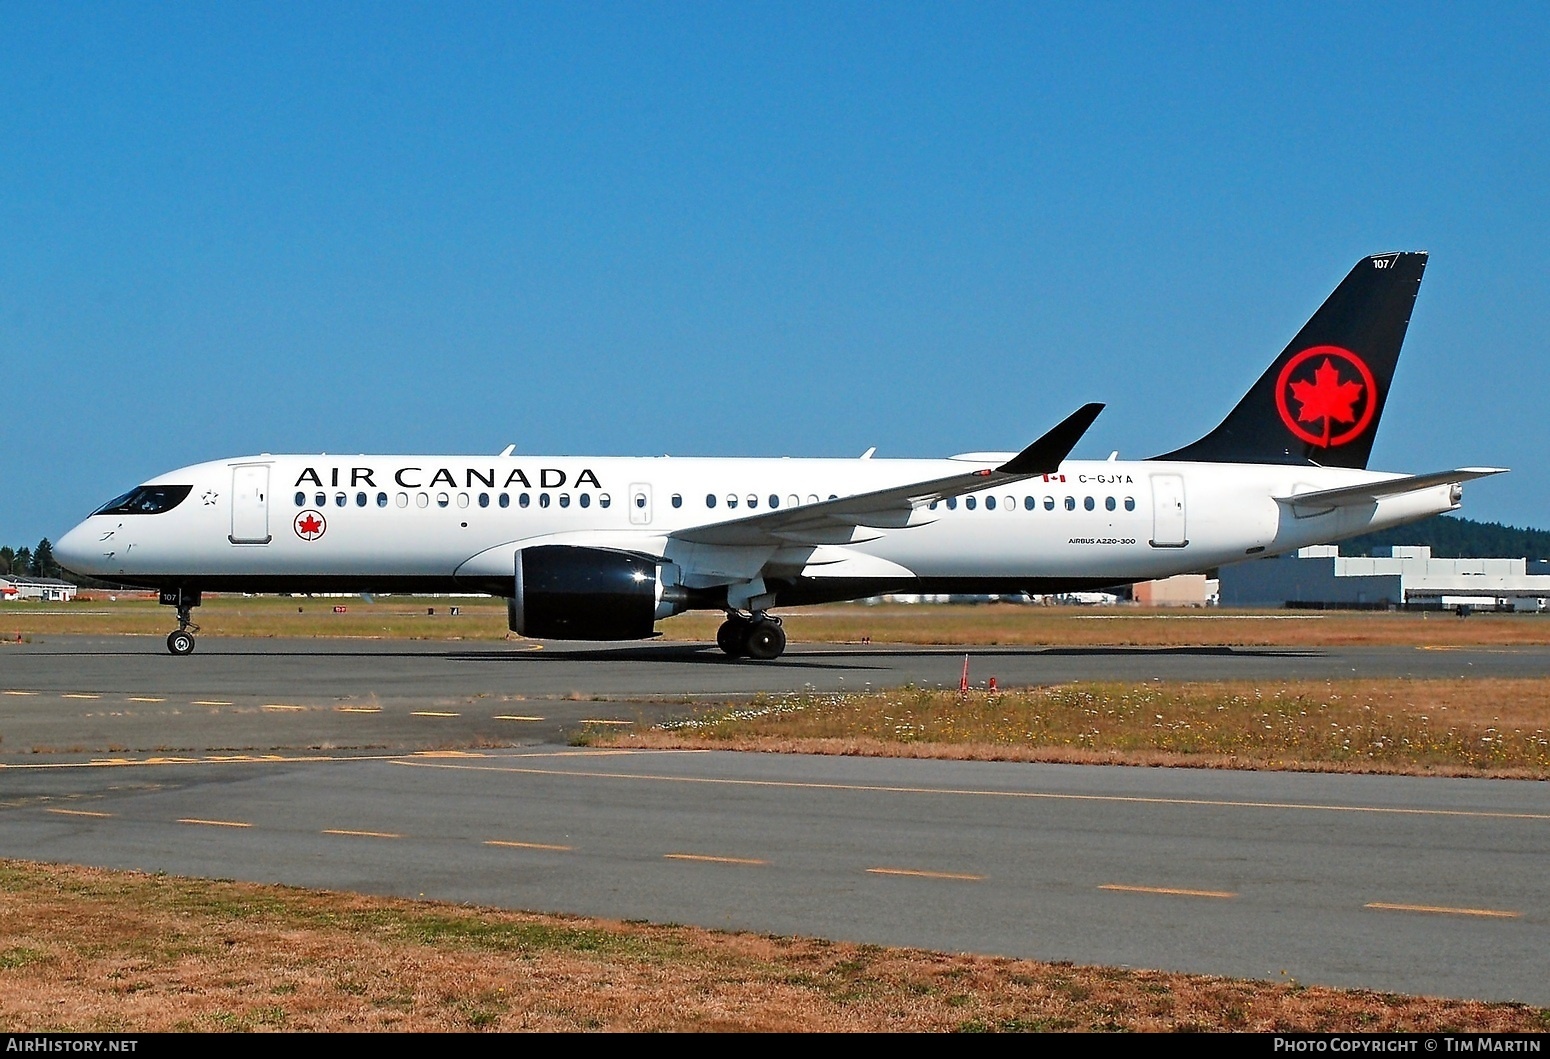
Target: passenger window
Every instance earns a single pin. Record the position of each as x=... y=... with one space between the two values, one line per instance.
x=484 y=499
x=442 y=500
x=603 y=500
x=402 y=500
x=1070 y=503
x=1088 y=503
x=543 y=499
x=462 y=500
x=1049 y=503
x=524 y=500
x=1108 y=503
x=340 y=499
x=505 y=500
x=360 y=499
x=640 y=501
x=812 y=498
x=301 y=499
x=952 y=503
x=710 y=499
x=422 y=500
x=678 y=500
x=1030 y=503
x=565 y=500
x=774 y=500
x=382 y=500
x=832 y=496
x=753 y=501
x=793 y=500
x=731 y=500
x=969 y=502
x=990 y=503
x=1130 y=503
x=585 y=500
x=322 y=500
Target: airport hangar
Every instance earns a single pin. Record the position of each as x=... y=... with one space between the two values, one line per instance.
x=1408 y=578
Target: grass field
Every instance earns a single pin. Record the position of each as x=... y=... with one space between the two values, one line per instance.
x=84 y=950
x=482 y=618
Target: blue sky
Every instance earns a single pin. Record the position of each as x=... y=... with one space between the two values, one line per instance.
x=748 y=229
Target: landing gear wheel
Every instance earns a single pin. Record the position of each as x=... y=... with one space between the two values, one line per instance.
x=732 y=637
x=180 y=642
x=766 y=640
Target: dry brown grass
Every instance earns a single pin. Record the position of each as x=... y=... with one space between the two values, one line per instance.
x=1498 y=728
x=85 y=950
x=406 y=617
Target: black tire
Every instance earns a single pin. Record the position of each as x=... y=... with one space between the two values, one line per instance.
x=180 y=643
x=766 y=641
x=732 y=637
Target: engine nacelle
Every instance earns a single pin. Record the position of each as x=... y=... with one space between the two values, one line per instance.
x=572 y=593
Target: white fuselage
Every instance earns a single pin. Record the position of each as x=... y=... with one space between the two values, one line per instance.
x=298 y=522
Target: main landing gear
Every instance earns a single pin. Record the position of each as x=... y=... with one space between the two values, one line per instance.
x=181 y=642
x=758 y=636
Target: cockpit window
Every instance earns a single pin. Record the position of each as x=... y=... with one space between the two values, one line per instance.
x=146 y=500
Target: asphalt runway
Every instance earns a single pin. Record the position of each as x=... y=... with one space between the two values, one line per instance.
x=439 y=770
x=85 y=694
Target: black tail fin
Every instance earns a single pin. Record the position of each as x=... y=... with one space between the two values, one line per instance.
x=1320 y=401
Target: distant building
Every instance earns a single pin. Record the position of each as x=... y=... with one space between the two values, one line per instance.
x=50 y=589
x=1181 y=590
x=1408 y=577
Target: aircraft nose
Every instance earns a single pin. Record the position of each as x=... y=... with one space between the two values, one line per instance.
x=73 y=550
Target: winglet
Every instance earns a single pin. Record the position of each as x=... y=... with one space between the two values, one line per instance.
x=1044 y=455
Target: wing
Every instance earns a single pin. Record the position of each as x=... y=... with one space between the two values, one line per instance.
x=1372 y=492
x=835 y=521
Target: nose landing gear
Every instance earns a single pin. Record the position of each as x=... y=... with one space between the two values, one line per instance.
x=181 y=642
x=758 y=636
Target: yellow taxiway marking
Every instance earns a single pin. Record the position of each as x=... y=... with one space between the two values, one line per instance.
x=711 y=860
x=78 y=695
x=1494 y=913
x=360 y=834
x=603 y=720
x=145 y=698
x=1173 y=890
x=18 y=692
x=515 y=717
x=358 y=709
x=524 y=845
x=447 y=753
x=432 y=713
x=213 y=823
x=210 y=702
x=213 y=759
x=966 y=792
x=76 y=812
x=927 y=874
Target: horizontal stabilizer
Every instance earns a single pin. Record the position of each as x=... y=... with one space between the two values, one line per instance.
x=1372 y=492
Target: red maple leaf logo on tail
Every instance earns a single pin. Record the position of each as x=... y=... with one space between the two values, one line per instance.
x=1332 y=387
x=1326 y=398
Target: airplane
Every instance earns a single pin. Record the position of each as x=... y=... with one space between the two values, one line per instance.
x=602 y=548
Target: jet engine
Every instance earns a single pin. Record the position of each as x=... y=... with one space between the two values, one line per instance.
x=563 y=592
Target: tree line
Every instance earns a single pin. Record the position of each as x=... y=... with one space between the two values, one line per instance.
x=1457 y=538
x=30 y=562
